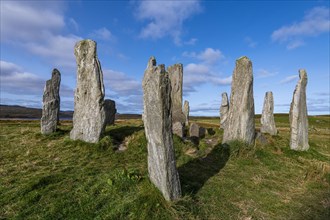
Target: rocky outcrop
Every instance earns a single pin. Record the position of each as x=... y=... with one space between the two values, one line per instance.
x=110 y=111
x=267 y=117
x=195 y=131
x=240 y=121
x=157 y=118
x=186 y=110
x=89 y=113
x=224 y=109
x=178 y=129
x=298 y=115
x=51 y=104
x=175 y=73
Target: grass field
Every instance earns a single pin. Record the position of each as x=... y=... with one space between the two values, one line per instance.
x=53 y=177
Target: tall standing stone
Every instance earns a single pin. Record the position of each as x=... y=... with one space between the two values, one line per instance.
x=51 y=103
x=298 y=115
x=175 y=73
x=224 y=109
x=89 y=113
x=186 y=110
x=267 y=117
x=157 y=118
x=110 y=111
x=240 y=125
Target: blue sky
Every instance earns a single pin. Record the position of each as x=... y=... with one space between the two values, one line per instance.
x=279 y=37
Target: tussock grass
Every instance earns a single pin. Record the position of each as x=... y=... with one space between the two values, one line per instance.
x=53 y=177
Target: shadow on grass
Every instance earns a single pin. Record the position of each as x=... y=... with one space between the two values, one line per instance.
x=119 y=134
x=194 y=174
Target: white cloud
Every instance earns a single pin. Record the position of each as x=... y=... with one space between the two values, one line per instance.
x=15 y=80
x=102 y=34
x=36 y=27
x=251 y=43
x=165 y=17
x=121 y=84
x=289 y=79
x=315 y=22
x=263 y=73
x=208 y=56
x=192 y=41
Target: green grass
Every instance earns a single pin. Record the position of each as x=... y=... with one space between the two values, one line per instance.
x=53 y=177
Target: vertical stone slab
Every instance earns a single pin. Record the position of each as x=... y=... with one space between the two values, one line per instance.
x=224 y=109
x=267 y=117
x=240 y=125
x=51 y=104
x=298 y=115
x=157 y=118
x=110 y=111
x=178 y=129
x=186 y=110
x=175 y=73
x=89 y=113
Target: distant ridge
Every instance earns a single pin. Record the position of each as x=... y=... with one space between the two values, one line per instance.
x=16 y=111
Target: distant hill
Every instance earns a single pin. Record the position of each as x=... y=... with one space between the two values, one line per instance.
x=16 y=111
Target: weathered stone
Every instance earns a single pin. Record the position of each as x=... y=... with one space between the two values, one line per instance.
x=175 y=73
x=110 y=111
x=298 y=115
x=267 y=117
x=51 y=104
x=89 y=113
x=261 y=138
x=224 y=108
x=196 y=131
x=178 y=129
x=186 y=110
x=240 y=121
x=157 y=118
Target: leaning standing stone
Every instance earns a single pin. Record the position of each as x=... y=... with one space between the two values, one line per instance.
x=240 y=125
x=186 y=110
x=267 y=117
x=89 y=114
x=178 y=129
x=157 y=118
x=175 y=73
x=224 y=108
x=110 y=111
x=298 y=115
x=51 y=104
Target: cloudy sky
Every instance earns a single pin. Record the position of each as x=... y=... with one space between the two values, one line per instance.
x=205 y=36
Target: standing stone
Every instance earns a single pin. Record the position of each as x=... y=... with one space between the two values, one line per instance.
x=267 y=117
x=224 y=108
x=157 y=118
x=110 y=111
x=298 y=115
x=186 y=110
x=89 y=113
x=196 y=131
x=51 y=104
x=178 y=129
x=175 y=73
x=240 y=122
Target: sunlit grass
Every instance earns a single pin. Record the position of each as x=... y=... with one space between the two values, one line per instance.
x=53 y=177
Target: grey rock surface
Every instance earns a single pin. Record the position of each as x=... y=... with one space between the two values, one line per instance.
x=51 y=104
x=267 y=118
x=224 y=109
x=89 y=114
x=175 y=73
x=186 y=110
x=196 y=131
x=110 y=111
x=178 y=129
x=298 y=115
x=157 y=119
x=240 y=121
